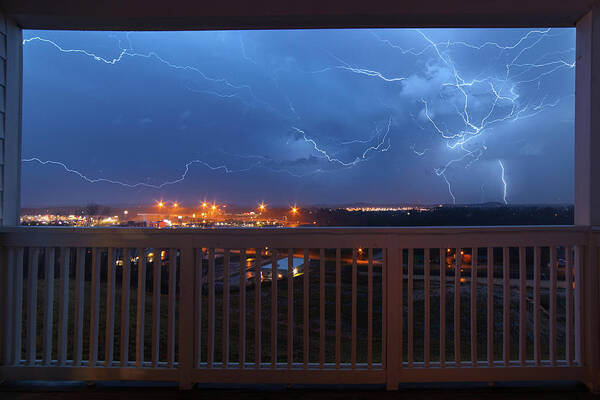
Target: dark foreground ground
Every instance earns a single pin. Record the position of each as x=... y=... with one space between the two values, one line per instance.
x=543 y=390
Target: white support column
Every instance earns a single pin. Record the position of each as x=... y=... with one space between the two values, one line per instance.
x=587 y=120
x=11 y=56
x=587 y=180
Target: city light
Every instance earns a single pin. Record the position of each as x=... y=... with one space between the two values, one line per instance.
x=294 y=210
x=262 y=207
x=161 y=204
x=175 y=205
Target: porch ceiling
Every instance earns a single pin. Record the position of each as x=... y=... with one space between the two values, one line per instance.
x=272 y=14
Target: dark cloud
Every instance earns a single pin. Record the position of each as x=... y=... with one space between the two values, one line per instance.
x=300 y=116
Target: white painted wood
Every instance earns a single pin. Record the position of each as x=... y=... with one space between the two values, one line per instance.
x=587 y=120
x=322 y=307
x=125 y=299
x=187 y=313
x=578 y=303
x=427 y=306
x=305 y=305
x=522 y=307
x=12 y=118
x=384 y=309
x=537 y=323
x=274 y=315
x=394 y=315
x=8 y=269
x=569 y=305
x=506 y=306
x=552 y=315
x=141 y=307
x=474 y=279
x=442 y=306
x=290 y=305
x=49 y=306
x=210 y=355
x=490 y=306
x=18 y=310
x=226 y=278
x=79 y=303
x=369 y=312
x=258 y=309
x=110 y=307
x=171 y=339
x=242 y=323
x=354 y=310
x=457 y=266
x=63 y=305
x=338 y=307
x=32 y=279
x=95 y=307
x=156 y=283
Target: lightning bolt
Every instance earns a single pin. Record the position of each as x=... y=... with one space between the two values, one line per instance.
x=504 y=185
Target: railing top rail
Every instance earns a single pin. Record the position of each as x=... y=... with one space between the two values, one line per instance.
x=303 y=237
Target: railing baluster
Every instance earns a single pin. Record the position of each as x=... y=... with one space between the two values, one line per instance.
x=79 y=300
x=427 y=314
x=290 y=310
x=210 y=356
x=274 y=318
x=242 y=323
x=384 y=293
x=125 y=289
x=95 y=307
x=32 y=278
x=474 y=260
x=370 y=310
x=537 y=345
x=578 y=303
x=569 y=305
x=141 y=308
x=338 y=306
x=552 y=300
x=410 y=306
x=490 y=306
x=354 y=304
x=198 y=304
x=156 y=266
x=257 y=309
x=506 y=306
x=458 y=259
x=171 y=311
x=522 y=306
x=63 y=305
x=322 y=308
x=49 y=298
x=18 y=310
x=110 y=307
x=442 y=306
x=226 y=278
x=8 y=267
x=306 y=321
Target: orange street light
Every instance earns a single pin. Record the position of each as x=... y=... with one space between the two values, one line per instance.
x=262 y=206
x=161 y=204
x=175 y=205
x=294 y=210
x=204 y=205
x=214 y=207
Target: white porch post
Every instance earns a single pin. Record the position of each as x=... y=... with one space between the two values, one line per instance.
x=11 y=53
x=587 y=178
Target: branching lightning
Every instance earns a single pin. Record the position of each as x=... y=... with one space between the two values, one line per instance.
x=480 y=104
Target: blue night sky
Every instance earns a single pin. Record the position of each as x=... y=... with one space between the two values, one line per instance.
x=310 y=117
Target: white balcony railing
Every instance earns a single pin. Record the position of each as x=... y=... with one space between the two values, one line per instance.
x=324 y=305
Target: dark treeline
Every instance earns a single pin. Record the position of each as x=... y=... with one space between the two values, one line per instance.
x=448 y=216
